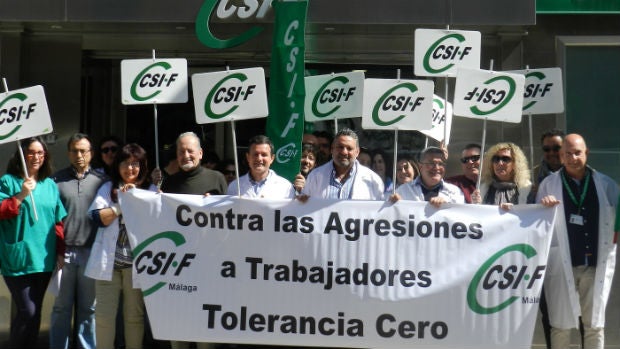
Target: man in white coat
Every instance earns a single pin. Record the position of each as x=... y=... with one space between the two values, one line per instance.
x=261 y=181
x=343 y=177
x=583 y=250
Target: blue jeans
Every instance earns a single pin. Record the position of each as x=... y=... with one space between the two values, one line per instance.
x=75 y=290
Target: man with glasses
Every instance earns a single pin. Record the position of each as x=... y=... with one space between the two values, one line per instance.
x=430 y=186
x=551 y=142
x=470 y=164
x=78 y=186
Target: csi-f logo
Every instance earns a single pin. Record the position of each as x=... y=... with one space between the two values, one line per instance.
x=286 y=153
x=250 y=8
x=333 y=92
x=439 y=115
x=447 y=49
x=398 y=99
x=536 y=89
x=12 y=109
x=154 y=77
x=496 y=93
x=161 y=262
x=228 y=90
x=501 y=277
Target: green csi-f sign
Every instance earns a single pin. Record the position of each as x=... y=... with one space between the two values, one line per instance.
x=148 y=81
x=441 y=52
x=334 y=96
x=483 y=94
x=398 y=104
x=543 y=92
x=23 y=114
x=230 y=95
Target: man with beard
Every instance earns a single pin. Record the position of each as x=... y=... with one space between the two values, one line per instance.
x=470 y=164
x=551 y=142
x=343 y=177
x=193 y=178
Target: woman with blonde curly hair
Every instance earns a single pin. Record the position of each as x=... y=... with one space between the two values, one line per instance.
x=505 y=177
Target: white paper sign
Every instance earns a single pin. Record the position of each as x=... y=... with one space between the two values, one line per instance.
x=352 y=273
x=148 y=81
x=439 y=120
x=334 y=96
x=544 y=92
x=391 y=104
x=497 y=96
x=441 y=52
x=23 y=114
x=230 y=95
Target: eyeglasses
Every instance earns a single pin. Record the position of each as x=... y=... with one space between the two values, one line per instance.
x=133 y=164
x=434 y=164
x=472 y=158
x=106 y=150
x=38 y=154
x=505 y=159
x=79 y=151
x=555 y=148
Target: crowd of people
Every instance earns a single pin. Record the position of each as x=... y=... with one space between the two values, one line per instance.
x=70 y=221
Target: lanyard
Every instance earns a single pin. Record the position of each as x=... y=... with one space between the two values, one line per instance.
x=583 y=192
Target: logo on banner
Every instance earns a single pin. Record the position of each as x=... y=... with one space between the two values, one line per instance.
x=227 y=9
x=332 y=94
x=536 y=89
x=492 y=98
x=228 y=94
x=150 y=77
x=12 y=109
x=398 y=99
x=161 y=262
x=449 y=48
x=494 y=276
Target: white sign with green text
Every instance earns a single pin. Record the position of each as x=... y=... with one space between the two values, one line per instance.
x=23 y=114
x=149 y=81
x=334 y=96
x=391 y=104
x=496 y=96
x=230 y=95
x=440 y=118
x=544 y=92
x=441 y=52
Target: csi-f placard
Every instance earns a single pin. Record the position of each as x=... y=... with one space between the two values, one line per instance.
x=543 y=92
x=391 y=104
x=442 y=121
x=441 y=52
x=149 y=81
x=334 y=96
x=493 y=95
x=23 y=114
x=230 y=95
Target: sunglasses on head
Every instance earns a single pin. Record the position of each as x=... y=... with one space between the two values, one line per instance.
x=504 y=159
x=106 y=150
x=472 y=158
x=555 y=148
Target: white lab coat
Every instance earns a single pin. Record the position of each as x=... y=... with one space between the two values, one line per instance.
x=413 y=191
x=367 y=185
x=560 y=291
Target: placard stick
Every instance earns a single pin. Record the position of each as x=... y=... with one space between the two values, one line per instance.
x=484 y=137
x=445 y=105
x=531 y=133
x=395 y=147
x=234 y=139
x=23 y=160
x=156 y=132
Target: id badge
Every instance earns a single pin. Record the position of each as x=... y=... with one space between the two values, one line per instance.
x=576 y=219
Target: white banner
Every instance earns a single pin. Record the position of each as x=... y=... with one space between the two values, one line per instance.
x=148 y=81
x=23 y=114
x=230 y=95
x=334 y=96
x=338 y=273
